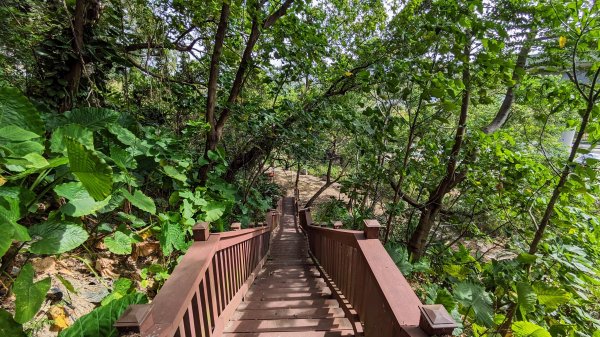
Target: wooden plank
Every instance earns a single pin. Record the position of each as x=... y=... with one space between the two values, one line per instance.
x=301 y=324
x=314 y=303
x=289 y=313
x=339 y=333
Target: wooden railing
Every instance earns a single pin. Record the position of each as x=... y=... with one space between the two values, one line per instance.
x=207 y=285
x=371 y=288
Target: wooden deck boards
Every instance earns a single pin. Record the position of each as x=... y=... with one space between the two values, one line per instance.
x=289 y=298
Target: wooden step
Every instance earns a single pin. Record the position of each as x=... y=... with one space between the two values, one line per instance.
x=282 y=304
x=288 y=313
x=300 y=324
x=339 y=333
x=269 y=296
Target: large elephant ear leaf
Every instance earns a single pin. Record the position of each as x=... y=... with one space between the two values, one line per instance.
x=100 y=321
x=92 y=118
x=528 y=329
x=15 y=109
x=29 y=295
x=53 y=237
x=474 y=297
x=93 y=172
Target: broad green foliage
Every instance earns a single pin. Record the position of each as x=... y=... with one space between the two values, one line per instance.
x=29 y=294
x=100 y=321
x=551 y=297
x=93 y=119
x=474 y=298
x=118 y=243
x=80 y=202
x=90 y=169
x=121 y=288
x=528 y=329
x=16 y=110
x=140 y=200
x=55 y=237
x=8 y=326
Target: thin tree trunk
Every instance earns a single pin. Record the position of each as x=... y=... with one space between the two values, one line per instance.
x=211 y=97
x=504 y=111
x=433 y=205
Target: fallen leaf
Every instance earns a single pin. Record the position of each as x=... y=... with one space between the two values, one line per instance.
x=145 y=249
x=58 y=315
x=105 y=267
x=46 y=265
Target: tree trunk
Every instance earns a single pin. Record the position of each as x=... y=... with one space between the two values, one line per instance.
x=86 y=12
x=433 y=205
x=509 y=97
x=211 y=97
x=216 y=127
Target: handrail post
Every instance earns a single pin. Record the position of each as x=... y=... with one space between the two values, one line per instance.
x=435 y=320
x=201 y=231
x=372 y=229
x=236 y=226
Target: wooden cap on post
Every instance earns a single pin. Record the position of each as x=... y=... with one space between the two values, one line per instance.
x=236 y=226
x=372 y=229
x=201 y=231
x=337 y=225
x=435 y=320
x=136 y=318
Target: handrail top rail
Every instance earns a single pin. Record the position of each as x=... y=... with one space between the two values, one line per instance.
x=189 y=272
x=241 y=232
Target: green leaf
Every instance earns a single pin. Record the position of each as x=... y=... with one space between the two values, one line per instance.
x=17 y=134
x=528 y=329
x=82 y=135
x=15 y=109
x=474 y=297
x=54 y=237
x=444 y=297
x=29 y=295
x=8 y=326
x=140 y=200
x=67 y=284
x=214 y=210
x=52 y=163
x=119 y=243
x=173 y=173
x=526 y=297
x=6 y=235
x=171 y=236
x=92 y=118
x=551 y=297
x=525 y=258
x=121 y=288
x=80 y=202
x=92 y=171
x=23 y=148
x=100 y=321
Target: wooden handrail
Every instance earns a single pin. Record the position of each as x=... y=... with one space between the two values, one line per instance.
x=207 y=285
x=375 y=294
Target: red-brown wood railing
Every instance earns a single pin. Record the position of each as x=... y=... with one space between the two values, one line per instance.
x=373 y=291
x=207 y=285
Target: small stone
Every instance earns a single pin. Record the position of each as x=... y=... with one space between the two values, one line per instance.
x=95 y=296
x=54 y=294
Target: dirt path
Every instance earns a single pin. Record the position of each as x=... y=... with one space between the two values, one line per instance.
x=308 y=186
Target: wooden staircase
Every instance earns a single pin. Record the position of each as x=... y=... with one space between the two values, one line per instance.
x=289 y=297
x=286 y=277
